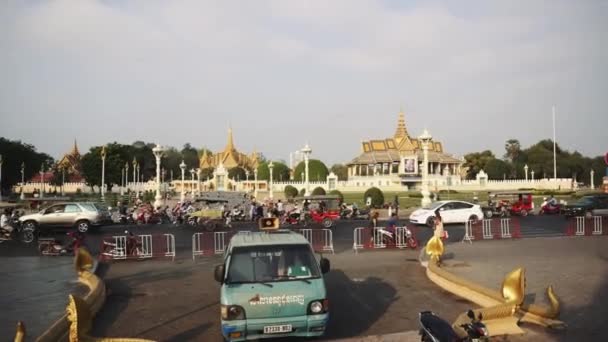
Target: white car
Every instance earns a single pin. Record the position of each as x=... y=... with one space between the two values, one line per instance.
x=451 y=212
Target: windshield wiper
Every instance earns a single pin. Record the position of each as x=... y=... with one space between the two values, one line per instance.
x=294 y=278
x=267 y=284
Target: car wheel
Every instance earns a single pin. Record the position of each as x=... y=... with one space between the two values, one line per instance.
x=327 y=222
x=430 y=221
x=28 y=235
x=489 y=213
x=524 y=213
x=83 y=226
x=588 y=214
x=473 y=218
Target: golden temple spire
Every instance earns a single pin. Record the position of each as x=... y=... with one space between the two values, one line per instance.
x=75 y=149
x=230 y=145
x=401 y=131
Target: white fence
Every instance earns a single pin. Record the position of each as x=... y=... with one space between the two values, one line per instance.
x=117 y=248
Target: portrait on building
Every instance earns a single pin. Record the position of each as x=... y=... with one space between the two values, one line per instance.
x=410 y=165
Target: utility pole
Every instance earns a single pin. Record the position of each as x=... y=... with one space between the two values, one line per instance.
x=554 y=150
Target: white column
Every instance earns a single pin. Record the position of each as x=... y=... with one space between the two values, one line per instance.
x=425 y=138
x=103 y=173
x=592 y=173
x=22 y=196
x=182 y=166
x=255 y=186
x=270 y=167
x=306 y=150
x=158 y=154
x=526 y=171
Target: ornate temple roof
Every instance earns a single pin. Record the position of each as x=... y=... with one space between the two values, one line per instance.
x=71 y=162
x=230 y=157
x=401 y=144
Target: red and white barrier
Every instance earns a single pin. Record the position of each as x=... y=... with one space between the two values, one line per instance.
x=488 y=229
x=144 y=246
x=321 y=240
x=373 y=238
x=586 y=226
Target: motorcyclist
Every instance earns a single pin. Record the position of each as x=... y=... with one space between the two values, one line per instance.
x=552 y=202
x=132 y=243
x=6 y=228
x=392 y=223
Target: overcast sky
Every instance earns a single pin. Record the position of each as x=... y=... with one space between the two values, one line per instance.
x=283 y=73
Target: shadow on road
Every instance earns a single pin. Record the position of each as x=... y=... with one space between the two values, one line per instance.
x=367 y=300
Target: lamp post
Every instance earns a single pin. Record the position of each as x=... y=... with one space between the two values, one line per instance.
x=22 y=196
x=103 y=174
x=425 y=138
x=592 y=174
x=62 y=182
x=182 y=166
x=127 y=175
x=532 y=174
x=247 y=178
x=526 y=171
x=192 y=173
x=306 y=151
x=158 y=154
x=255 y=186
x=270 y=167
x=137 y=185
x=134 y=173
x=42 y=180
x=198 y=181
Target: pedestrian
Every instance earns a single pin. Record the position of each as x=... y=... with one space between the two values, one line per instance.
x=373 y=223
x=390 y=210
x=439 y=231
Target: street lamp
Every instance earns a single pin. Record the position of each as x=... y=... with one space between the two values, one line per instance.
x=592 y=173
x=532 y=173
x=270 y=167
x=138 y=185
x=182 y=166
x=255 y=186
x=192 y=173
x=127 y=175
x=526 y=171
x=103 y=173
x=425 y=138
x=198 y=181
x=22 y=196
x=158 y=154
x=62 y=181
x=42 y=180
x=306 y=151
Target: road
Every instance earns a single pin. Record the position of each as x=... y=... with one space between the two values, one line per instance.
x=387 y=288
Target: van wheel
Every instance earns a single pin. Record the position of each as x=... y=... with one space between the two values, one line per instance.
x=83 y=226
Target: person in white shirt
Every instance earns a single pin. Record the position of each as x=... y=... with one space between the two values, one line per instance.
x=4 y=223
x=280 y=206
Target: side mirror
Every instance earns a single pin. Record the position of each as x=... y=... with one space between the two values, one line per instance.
x=471 y=314
x=324 y=263
x=218 y=273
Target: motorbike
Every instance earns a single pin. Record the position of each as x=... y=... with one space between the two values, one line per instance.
x=237 y=215
x=550 y=209
x=435 y=329
x=23 y=234
x=360 y=214
x=114 y=250
x=384 y=236
x=292 y=218
x=54 y=247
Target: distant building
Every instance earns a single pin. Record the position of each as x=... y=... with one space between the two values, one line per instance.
x=399 y=159
x=230 y=157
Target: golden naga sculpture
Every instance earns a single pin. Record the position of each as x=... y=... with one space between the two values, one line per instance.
x=502 y=310
x=20 y=334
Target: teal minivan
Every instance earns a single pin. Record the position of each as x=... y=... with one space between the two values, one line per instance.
x=272 y=286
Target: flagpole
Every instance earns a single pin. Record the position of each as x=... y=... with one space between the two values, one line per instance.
x=554 y=149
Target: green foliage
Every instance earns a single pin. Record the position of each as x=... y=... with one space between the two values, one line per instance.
x=414 y=195
x=190 y=155
x=497 y=169
x=290 y=191
x=477 y=161
x=341 y=171
x=14 y=153
x=280 y=171
x=376 y=195
x=337 y=193
x=317 y=171
x=302 y=192
x=207 y=173
x=237 y=173
x=318 y=191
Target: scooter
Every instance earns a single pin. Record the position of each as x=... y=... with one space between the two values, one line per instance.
x=383 y=236
x=54 y=247
x=24 y=234
x=549 y=209
x=435 y=329
x=292 y=218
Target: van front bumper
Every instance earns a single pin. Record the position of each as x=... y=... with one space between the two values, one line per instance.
x=253 y=329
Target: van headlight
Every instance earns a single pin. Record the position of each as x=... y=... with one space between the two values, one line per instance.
x=317 y=307
x=232 y=312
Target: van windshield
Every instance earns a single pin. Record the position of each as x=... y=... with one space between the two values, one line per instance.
x=271 y=263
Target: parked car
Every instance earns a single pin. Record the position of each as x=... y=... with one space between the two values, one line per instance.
x=592 y=205
x=451 y=212
x=80 y=215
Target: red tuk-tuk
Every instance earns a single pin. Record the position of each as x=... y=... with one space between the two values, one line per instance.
x=509 y=203
x=323 y=209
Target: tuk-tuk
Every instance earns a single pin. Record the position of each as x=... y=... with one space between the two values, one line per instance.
x=323 y=209
x=210 y=218
x=509 y=203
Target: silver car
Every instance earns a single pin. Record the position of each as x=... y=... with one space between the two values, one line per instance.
x=80 y=215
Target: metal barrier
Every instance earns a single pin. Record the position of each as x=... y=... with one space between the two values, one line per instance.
x=505 y=225
x=373 y=238
x=468 y=232
x=586 y=226
x=321 y=240
x=145 y=246
x=597 y=225
x=498 y=228
x=580 y=226
x=487 y=229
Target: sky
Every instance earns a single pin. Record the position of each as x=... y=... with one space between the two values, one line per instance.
x=286 y=73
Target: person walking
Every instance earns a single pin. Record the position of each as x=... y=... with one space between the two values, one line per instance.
x=439 y=231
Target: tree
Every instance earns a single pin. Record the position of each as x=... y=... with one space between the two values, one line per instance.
x=290 y=191
x=117 y=155
x=317 y=171
x=376 y=195
x=280 y=171
x=513 y=150
x=170 y=163
x=497 y=169
x=237 y=173
x=206 y=173
x=15 y=153
x=318 y=191
x=190 y=155
x=341 y=171
x=477 y=161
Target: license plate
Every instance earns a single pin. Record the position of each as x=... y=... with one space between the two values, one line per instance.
x=277 y=329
